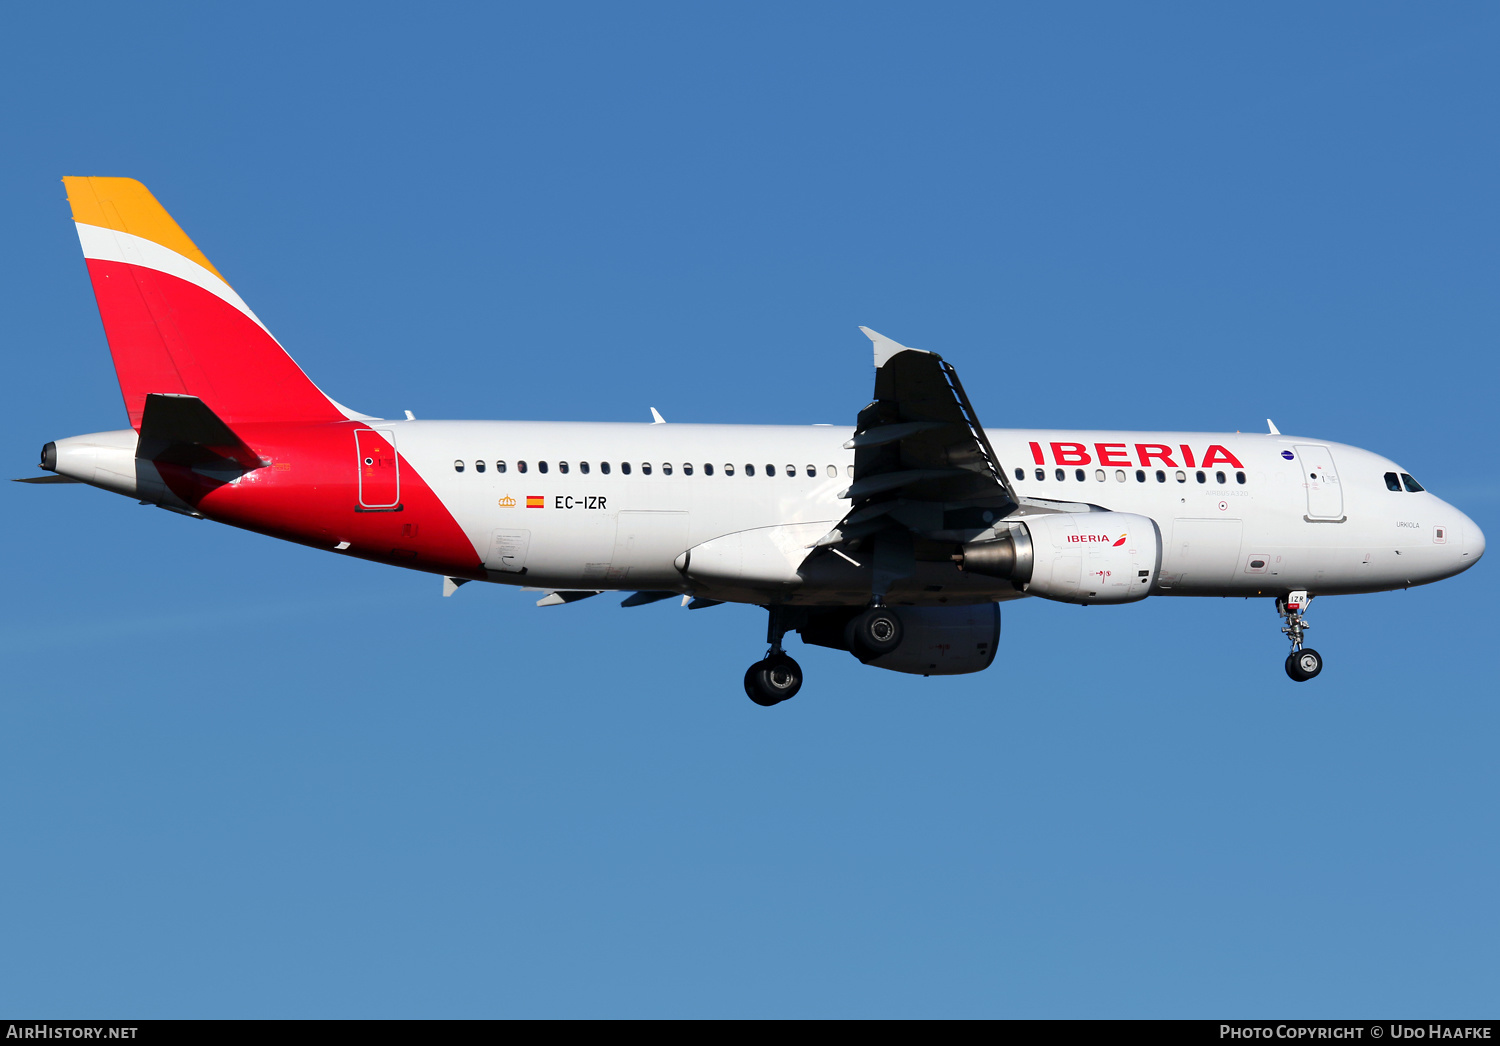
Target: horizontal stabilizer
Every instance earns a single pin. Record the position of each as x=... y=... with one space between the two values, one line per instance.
x=181 y=430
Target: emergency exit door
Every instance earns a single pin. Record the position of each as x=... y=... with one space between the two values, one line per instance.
x=379 y=470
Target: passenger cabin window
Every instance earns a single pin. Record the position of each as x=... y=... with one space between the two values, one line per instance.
x=499 y=466
x=812 y=472
x=1061 y=475
x=1161 y=477
x=666 y=468
x=687 y=468
x=645 y=468
x=541 y=466
x=1041 y=475
x=708 y=470
x=1239 y=477
x=1020 y=473
x=1140 y=475
x=1411 y=484
x=604 y=467
x=1119 y=475
x=749 y=470
x=1201 y=477
x=849 y=469
x=833 y=472
x=1078 y=475
x=1219 y=478
x=791 y=471
x=562 y=466
x=478 y=466
x=625 y=468
x=458 y=466
x=771 y=470
x=1181 y=476
x=1098 y=474
x=1392 y=482
x=728 y=469
x=520 y=466
x=583 y=466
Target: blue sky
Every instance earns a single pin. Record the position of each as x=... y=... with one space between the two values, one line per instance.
x=242 y=778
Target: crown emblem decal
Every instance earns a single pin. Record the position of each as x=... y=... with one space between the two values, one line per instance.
x=507 y=502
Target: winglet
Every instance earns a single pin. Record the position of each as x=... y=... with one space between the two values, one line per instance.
x=657 y=419
x=1272 y=426
x=885 y=348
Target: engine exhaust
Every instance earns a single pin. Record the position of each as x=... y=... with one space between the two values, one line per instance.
x=1007 y=556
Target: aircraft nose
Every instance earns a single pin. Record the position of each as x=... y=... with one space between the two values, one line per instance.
x=1473 y=542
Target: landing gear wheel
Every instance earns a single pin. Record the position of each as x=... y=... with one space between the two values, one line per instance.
x=874 y=633
x=1302 y=665
x=773 y=680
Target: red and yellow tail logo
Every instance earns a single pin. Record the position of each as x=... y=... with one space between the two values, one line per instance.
x=535 y=501
x=173 y=324
x=1117 y=544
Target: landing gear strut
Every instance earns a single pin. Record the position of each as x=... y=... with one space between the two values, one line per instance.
x=777 y=677
x=1302 y=663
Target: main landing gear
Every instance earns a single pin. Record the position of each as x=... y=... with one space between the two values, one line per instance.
x=1302 y=663
x=777 y=677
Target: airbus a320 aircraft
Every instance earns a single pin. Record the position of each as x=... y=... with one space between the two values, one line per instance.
x=896 y=540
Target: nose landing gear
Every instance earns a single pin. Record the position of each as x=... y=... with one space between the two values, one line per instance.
x=1301 y=664
x=776 y=678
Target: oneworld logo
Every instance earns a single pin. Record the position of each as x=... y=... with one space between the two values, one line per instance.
x=1089 y=539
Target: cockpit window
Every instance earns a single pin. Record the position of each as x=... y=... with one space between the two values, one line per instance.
x=1391 y=482
x=1411 y=484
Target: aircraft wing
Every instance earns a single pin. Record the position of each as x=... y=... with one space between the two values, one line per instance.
x=922 y=462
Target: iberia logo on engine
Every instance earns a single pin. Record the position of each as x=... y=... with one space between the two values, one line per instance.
x=1086 y=539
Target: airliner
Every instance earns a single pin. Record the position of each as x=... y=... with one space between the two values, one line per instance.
x=894 y=539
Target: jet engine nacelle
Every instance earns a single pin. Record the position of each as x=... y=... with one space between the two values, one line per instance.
x=1073 y=557
x=935 y=641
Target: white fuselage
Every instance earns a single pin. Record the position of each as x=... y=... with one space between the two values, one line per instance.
x=598 y=506
x=1337 y=529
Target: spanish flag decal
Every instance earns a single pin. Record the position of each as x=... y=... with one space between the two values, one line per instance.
x=535 y=501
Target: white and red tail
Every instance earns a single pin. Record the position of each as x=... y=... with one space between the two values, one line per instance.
x=174 y=325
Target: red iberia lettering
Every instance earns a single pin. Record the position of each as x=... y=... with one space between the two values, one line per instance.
x=1084 y=539
x=1146 y=451
x=1070 y=454
x=1187 y=456
x=1217 y=454
x=1109 y=455
x=1036 y=453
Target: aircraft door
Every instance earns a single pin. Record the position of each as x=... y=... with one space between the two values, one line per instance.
x=507 y=552
x=1325 y=498
x=379 y=470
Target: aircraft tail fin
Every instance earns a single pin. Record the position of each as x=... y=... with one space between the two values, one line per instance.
x=173 y=324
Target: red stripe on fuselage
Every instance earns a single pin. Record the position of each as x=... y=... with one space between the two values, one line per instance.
x=310 y=494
